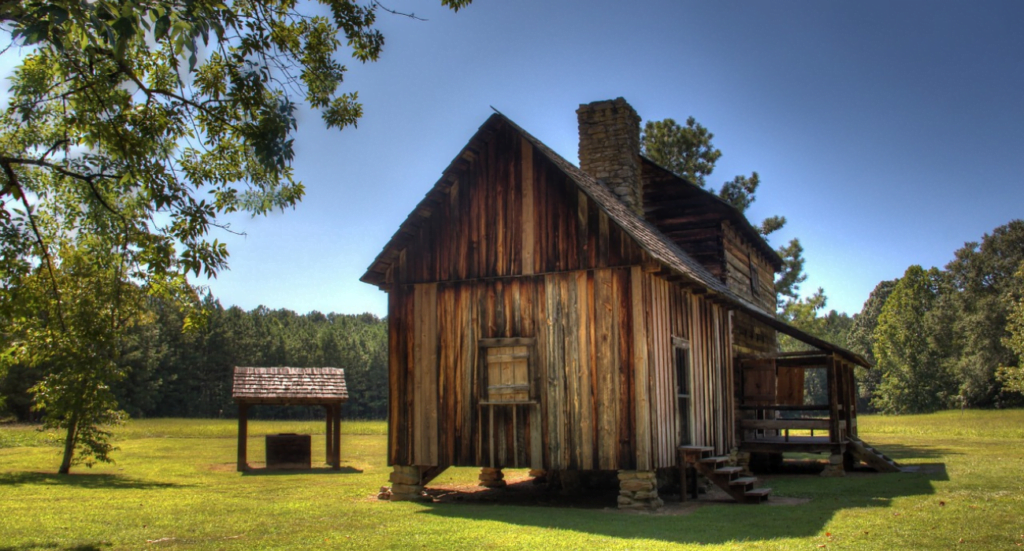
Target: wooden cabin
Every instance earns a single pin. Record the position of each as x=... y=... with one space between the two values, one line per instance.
x=607 y=317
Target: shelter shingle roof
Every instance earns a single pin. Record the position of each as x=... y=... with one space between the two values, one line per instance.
x=289 y=385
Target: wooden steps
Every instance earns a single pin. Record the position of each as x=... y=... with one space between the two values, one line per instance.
x=728 y=478
x=872 y=457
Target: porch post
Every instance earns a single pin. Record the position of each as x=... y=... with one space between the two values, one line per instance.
x=833 y=398
x=336 y=440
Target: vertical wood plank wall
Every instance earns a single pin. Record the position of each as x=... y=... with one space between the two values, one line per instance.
x=676 y=312
x=582 y=378
x=604 y=386
x=511 y=212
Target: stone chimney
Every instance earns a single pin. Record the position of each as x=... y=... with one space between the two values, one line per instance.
x=610 y=149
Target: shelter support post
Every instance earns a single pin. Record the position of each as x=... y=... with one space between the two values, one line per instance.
x=329 y=434
x=243 y=436
x=336 y=439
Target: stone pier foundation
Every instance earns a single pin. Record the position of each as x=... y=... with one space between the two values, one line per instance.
x=638 y=490
x=492 y=478
x=405 y=484
x=835 y=466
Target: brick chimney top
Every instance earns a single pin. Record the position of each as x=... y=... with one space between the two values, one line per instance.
x=610 y=149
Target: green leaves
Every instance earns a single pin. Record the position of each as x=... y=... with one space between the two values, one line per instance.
x=686 y=151
x=913 y=375
x=739 y=192
x=132 y=127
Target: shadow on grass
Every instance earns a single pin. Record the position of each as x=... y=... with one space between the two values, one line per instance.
x=83 y=480
x=801 y=507
x=316 y=470
x=900 y=452
x=83 y=547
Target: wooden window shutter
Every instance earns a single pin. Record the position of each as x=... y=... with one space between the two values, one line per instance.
x=508 y=374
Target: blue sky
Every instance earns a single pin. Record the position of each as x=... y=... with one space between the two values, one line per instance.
x=888 y=133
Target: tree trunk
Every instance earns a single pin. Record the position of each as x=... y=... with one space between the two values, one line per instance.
x=69 y=445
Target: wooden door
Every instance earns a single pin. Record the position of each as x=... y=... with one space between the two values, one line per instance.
x=759 y=382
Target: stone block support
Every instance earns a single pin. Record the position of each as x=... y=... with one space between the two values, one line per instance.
x=492 y=478
x=405 y=484
x=835 y=466
x=638 y=490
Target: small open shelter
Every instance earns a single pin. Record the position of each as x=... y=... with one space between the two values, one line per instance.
x=288 y=386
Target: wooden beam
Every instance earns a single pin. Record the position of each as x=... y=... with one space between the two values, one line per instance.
x=529 y=238
x=782 y=424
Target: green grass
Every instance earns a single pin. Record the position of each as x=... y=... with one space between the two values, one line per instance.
x=174 y=487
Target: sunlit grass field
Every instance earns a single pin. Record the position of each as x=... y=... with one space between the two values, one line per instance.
x=174 y=486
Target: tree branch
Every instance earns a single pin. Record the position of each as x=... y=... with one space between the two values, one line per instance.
x=394 y=12
x=12 y=181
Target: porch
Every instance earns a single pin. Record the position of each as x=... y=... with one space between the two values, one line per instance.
x=796 y=402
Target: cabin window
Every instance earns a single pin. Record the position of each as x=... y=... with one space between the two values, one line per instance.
x=684 y=390
x=755 y=280
x=507 y=370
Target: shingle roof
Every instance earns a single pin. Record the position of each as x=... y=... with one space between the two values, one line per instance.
x=289 y=385
x=657 y=244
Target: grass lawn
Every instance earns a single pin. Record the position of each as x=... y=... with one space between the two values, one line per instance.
x=174 y=486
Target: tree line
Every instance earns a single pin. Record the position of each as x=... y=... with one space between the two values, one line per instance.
x=166 y=370
x=948 y=337
x=940 y=338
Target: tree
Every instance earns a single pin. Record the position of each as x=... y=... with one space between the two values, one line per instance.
x=862 y=339
x=73 y=342
x=978 y=307
x=913 y=378
x=1009 y=376
x=687 y=151
x=131 y=129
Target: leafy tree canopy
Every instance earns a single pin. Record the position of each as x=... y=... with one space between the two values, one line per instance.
x=132 y=127
x=913 y=378
x=687 y=151
x=1012 y=376
x=978 y=307
x=187 y=107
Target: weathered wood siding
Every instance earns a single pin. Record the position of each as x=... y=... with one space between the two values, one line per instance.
x=674 y=312
x=684 y=215
x=512 y=212
x=752 y=337
x=604 y=386
x=741 y=259
x=581 y=377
